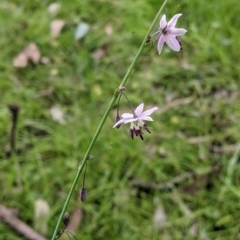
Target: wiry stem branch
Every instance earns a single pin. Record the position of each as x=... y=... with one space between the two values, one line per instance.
x=111 y=104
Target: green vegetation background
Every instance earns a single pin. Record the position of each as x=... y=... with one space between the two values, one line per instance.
x=195 y=131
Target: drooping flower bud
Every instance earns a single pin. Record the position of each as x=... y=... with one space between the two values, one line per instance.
x=66 y=218
x=83 y=194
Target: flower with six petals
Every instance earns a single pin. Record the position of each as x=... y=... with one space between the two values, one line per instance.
x=169 y=33
x=137 y=120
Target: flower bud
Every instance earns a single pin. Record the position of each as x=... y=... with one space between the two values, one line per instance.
x=83 y=194
x=66 y=218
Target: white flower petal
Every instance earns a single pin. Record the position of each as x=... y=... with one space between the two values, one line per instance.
x=173 y=20
x=176 y=31
x=161 y=41
x=173 y=43
x=139 y=118
x=145 y=118
x=130 y=120
x=127 y=115
x=149 y=112
x=118 y=122
x=139 y=109
x=163 y=22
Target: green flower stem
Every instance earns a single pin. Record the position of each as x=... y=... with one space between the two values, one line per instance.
x=94 y=139
x=143 y=44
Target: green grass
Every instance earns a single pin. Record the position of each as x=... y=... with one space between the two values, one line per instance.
x=196 y=127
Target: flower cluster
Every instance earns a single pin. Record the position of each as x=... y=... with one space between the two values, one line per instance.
x=168 y=34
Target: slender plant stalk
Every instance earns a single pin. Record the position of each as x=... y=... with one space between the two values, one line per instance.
x=114 y=98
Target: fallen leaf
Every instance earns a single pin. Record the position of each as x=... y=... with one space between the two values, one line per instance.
x=56 y=27
x=45 y=60
x=57 y=115
x=29 y=53
x=41 y=216
x=33 y=53
x=108 y=30
x=53 y=8
x=99 y=53
x=81 y=30
x=160 y=217
x=20 y=61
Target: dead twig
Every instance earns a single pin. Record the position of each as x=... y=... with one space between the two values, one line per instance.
x=7 y=216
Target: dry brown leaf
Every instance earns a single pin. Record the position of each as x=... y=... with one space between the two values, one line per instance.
x=20 y=61
x=29 y=53
x=32 y=52
x=56 y=27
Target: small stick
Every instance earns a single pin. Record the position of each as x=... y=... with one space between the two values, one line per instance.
x=22 y=228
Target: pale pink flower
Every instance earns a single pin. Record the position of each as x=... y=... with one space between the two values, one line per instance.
x=169 y=33
x=137 y=120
